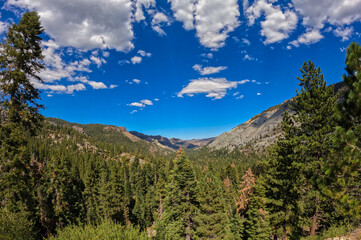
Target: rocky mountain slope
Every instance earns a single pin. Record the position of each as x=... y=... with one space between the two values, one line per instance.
x=173 y=143
x=261 y=130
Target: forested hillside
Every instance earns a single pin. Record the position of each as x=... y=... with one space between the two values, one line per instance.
x=72 y=181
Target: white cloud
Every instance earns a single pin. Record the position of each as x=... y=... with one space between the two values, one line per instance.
x=213 y=20
x=58 y=70
x=249 y=57
x=85 y=24
x=3 y=27
x=240 y=97
x=207 y=55
x=139 y=5
x=259 y=94
x=134 y=111
x=156 y=99
x=144 y=53
x=184 y=12
x=344 y=33
x=215 y=88
x=159 y=20
x=246 y=41
x=113 y=86
x=208 y=70
x=316 y=14
x=59 y=88
x=337 y=12
x=98 y=61
x=136 y=59
x=141 y=104
x=309 y=37
x=137 y=81
x=277 y=25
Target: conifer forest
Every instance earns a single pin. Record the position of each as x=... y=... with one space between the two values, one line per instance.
x=57 y=182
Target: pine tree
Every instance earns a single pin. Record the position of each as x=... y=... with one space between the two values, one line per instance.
x=314 y=107
x=180 y=203
x=212 y=219
x=344 y=169
x=20 y=61
x=281 y=173
x=257 y=224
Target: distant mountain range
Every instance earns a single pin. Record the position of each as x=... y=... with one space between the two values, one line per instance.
x=260 y=131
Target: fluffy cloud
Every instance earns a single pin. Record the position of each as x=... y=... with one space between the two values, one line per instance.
x=277 y=25
x=213 y=20
x=337 y=13
x=3 y=27
x=58 y=70
x=215 y=88
x=144 y=53
x=317 y=13
x=85 y=24
x=136 y=59
x=208 y=70
x=159 y=20
x=98 y=61
x=139 y=5
x=141 y=104
x=343 y=33
x=309 y=37
x=60 y=88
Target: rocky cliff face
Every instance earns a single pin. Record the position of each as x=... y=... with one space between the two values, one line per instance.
x=262 y=130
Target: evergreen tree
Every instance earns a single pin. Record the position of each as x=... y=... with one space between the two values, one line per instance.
x=314 y=107
x=20 y=61
x=180 y=203
x=257 y=224
x=212 y=219
x=344 y=169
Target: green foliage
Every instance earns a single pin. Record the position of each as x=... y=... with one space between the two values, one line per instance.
x=106 y=230
x=15 y=226
x=257 y=223
x=212 y=219
x=344 y=169
x=180 y=203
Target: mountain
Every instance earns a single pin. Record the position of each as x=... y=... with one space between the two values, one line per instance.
x=131 y=139
x=173 y=143
x=261 y=130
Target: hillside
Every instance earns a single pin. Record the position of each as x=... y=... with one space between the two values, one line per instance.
x=261 y=130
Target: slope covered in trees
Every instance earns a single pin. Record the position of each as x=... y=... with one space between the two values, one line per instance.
x=60 y=182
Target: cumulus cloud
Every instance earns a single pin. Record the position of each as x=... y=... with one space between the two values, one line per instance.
x=144 y=53
x=336 y=13
x=277 y=25
x=159 y=20
x=98 y=61
x=141 y=104
x=208 y=70
x=215 y=88
x=213 y=20
x=317 y=13
x=59 y=88
x=136 y=59
x=58 y=70
x=3 y=27
x=343 y=33
x=309 y=37
x=85 y=24
x=139 y=5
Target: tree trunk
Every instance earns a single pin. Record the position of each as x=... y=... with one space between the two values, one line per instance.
x=314 y=220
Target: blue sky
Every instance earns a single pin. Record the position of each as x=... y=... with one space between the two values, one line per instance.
x=182 y=68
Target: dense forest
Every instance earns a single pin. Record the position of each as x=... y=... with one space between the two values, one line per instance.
x=58 y=183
